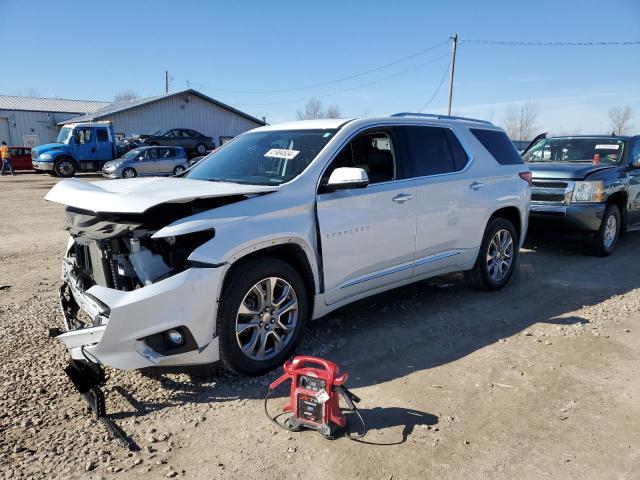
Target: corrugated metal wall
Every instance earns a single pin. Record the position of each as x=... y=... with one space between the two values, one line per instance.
x=42 y=124
x=182 y=111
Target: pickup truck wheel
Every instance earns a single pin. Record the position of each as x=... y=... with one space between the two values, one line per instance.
x=201 y=148
x=65 y=168
x=497 y=256
x=604 y=241
x=129 y=173
x=261 y=315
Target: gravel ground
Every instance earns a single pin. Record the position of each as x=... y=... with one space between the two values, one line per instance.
x=536 y=381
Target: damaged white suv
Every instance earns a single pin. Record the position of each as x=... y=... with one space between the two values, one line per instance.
x=279 y=226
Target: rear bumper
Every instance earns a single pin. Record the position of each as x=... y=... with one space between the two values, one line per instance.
x=124 y=320
x=44 y=166
x=566 y=217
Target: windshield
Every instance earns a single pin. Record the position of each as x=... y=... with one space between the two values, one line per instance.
x=262 y=158
x=159 y=133
x=605 y=150
x=64 y=135
x=132 y=154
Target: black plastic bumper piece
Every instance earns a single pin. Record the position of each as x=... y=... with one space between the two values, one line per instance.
x=88 y=379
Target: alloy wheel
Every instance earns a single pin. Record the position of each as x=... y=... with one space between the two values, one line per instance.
x=610 y=231
x=267 y=318
x=65 y=168
x=500 y=255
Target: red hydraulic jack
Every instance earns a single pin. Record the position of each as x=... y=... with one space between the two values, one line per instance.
x=316 y=388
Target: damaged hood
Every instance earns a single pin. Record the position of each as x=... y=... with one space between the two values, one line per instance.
x=139 y=194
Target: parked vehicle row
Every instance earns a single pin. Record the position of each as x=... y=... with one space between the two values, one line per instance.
x=89 y=146
x=280 y=226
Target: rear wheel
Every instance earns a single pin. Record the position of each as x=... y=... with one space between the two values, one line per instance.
x=65 y=168
x=129 y=173
x=497 y=257
x=261 y=315
x=201 y=148
x=604 y=241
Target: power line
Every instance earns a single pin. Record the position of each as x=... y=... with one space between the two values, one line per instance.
x=331 y=82
x=545 y=44
x=446 y=70
x=346 y=89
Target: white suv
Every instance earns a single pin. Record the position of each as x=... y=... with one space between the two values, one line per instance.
x=281 y=225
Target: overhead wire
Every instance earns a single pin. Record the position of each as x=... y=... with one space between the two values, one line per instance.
x=446 y=70
x=545 y=44
x=337 y=80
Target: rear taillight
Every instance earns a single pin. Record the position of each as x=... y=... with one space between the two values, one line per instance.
x=526 y=176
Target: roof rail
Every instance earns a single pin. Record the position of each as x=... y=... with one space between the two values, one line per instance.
x=440 y=117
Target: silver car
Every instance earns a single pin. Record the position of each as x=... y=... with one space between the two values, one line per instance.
x=147 y=161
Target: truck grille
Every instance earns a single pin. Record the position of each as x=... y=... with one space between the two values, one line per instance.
x=551 y=191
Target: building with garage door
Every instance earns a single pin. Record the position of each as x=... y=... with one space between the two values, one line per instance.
x=188 y=109
x=33 y=121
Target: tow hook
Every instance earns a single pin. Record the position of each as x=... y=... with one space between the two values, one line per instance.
x=88 y=379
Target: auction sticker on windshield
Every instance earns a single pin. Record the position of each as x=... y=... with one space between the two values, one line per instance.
x=607 y=146
x=282 y=153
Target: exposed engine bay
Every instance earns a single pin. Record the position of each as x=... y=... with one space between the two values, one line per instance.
x=116 y=250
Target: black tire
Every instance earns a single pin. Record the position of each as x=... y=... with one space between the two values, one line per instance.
x=178 y=170
x=601 y=243
x=240 y=281
x=129 y=173
x=201 y=148
x=479 y=276
x=64 y=167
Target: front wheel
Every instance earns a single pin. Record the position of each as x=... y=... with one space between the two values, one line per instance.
x=64 y=168
x=604 y=241
x=129 y=173
x=178 y=170
x=261 y=315
x=497 y=256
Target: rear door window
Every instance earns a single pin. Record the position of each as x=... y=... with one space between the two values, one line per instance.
x=434 y=150
x=102 y=135
x=499 y=146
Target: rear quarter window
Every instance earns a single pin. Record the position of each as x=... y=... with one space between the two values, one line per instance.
x=499 y=146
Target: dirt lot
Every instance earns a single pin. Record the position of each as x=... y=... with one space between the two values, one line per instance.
x=539 y=380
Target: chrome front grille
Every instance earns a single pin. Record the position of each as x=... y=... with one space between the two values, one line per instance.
x=551 y=191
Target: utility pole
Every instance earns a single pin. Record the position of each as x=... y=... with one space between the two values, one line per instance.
x=166 y=81
x=454 y=46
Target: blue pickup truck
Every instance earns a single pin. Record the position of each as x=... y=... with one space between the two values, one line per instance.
x=79 y=147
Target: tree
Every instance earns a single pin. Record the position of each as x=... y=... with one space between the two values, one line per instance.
x=313 y=110
x=520 y=123
x=125 y=95
x=620 y=117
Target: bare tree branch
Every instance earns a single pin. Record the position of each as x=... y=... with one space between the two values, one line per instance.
x=313 y=110
x=520 y=123
x=125 y=95
x=620 y=119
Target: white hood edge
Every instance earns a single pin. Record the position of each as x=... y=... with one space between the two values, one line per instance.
x=139 y=194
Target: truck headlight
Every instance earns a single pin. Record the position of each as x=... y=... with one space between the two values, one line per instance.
x=591 y=192
x=45 y=156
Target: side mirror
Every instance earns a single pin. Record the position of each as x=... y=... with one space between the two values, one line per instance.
x=347 y=177
x=635 y=165
x=141 y=157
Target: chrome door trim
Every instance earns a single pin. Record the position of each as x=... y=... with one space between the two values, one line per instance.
x=436 y=257
x=373 y=276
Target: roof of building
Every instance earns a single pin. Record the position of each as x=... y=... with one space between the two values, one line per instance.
x=118 y=107
x=59 y=105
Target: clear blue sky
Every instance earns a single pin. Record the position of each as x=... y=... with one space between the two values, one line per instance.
x=92 y=50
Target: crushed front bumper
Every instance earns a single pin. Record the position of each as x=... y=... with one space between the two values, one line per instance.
x=124 y=321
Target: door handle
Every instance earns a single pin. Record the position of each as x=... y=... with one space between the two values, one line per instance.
x=402 y=197
x=476 y=186
x=93 y=150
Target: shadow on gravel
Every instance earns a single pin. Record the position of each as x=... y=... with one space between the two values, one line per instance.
x=380 y=418
x=430 y=323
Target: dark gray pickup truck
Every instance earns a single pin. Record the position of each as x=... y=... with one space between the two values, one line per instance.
x=586 y=184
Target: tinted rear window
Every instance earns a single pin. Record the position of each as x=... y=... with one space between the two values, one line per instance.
x=435 y=150
x=499 y=146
